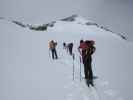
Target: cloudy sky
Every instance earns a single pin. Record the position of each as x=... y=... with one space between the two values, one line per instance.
x=115 y=14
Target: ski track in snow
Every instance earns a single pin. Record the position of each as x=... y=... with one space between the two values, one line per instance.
x=77 y=88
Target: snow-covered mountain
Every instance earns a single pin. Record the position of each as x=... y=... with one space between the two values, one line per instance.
x=73 y=19
x=27 y=71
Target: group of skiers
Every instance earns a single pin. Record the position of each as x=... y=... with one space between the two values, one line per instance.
x=68 y=47
x=86 y=49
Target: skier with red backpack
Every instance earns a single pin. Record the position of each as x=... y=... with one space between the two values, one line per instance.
x=86 y=50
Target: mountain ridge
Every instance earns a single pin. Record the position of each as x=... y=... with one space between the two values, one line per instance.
x=73 y=18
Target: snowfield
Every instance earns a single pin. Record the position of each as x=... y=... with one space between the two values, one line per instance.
x=27 y=71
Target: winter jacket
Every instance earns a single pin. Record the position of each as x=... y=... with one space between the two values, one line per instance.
x=52 y=44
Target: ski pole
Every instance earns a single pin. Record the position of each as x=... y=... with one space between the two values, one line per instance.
x=49 y=54
x=80 y=67
x=73 y=66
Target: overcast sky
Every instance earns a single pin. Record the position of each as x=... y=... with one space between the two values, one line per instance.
x=116 y=14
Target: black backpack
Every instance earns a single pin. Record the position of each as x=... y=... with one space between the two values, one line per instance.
x=91 y=47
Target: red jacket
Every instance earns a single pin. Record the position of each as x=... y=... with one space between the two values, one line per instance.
x=83 y=46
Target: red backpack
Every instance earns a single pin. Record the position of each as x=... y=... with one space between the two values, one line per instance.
x=90 y=42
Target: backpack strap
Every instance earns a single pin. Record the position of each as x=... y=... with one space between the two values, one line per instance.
x=90 y=50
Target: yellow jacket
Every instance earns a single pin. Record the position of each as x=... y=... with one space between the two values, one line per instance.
x=52 y=44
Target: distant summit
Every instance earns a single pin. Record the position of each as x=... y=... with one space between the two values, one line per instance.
x=70 y=19
x=83 y=21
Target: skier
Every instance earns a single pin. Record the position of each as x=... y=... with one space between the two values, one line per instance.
x=86 y=50
x=64 y=45
x=52 y=47
x=70 y=48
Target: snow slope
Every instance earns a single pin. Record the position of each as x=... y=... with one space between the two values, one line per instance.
x=28 y=73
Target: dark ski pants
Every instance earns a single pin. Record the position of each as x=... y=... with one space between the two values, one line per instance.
x=88 y=73
x=88 y=69
x=54 y=53
x=70 y=50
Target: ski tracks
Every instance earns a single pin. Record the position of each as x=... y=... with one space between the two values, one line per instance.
x=78 y=90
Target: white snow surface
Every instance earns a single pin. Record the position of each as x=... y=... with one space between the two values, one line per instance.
x=27 y=71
